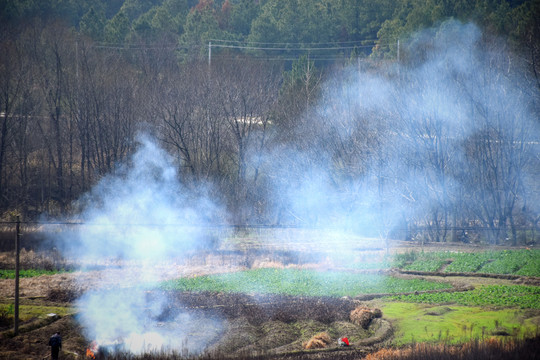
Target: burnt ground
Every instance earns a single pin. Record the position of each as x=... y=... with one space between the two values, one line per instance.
x=255 y=324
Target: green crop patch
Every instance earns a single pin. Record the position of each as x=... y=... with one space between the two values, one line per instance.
x=524 y=262
x=10 y=274
x=507 y=262
x=468 y=262
x=302 y=283
x=455 y=324
x=513 y=296
x=426 y=265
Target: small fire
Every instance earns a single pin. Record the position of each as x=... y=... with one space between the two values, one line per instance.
x=92 y=350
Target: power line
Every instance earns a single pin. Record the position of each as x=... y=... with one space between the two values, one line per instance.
x=298 y=43
x=289 y=49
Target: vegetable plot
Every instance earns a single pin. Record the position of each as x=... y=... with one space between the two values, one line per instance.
x=516 y=262
x=515 y=296
x=302 y=283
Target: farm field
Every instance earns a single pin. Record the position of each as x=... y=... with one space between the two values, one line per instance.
x=516 y=262
x=275 y=307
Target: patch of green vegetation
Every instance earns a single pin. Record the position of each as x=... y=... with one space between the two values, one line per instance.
x=506 y=262
x=302 y=283
x=468 y=262
x=29 y=312
x=513 y=296
x=402 y=259
x=423 y=261
x=10 y=274
x=366 y=261
x=530 y=269
x=426 y=265
x=455 y=324
x=519 y=262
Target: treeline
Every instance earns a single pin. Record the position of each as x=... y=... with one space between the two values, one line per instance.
x=349 y=27
x=440 y=133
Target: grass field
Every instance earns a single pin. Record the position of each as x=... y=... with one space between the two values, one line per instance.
x=511 y=296
x=453 y=324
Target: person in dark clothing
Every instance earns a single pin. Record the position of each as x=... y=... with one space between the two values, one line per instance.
x=55 y=342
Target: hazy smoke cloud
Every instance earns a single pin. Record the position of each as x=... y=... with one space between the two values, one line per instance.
x=143 y=217
x=381 y=149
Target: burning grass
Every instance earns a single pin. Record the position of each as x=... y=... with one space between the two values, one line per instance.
x=258 y=324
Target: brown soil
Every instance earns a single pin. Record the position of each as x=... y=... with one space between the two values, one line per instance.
x=34 y=344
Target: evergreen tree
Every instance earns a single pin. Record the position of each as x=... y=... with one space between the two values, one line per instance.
x=117 y=29
x=92 y=24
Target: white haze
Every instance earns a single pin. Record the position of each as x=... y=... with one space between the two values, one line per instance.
x=378 y=119
x=367 y=154
x=141 y=221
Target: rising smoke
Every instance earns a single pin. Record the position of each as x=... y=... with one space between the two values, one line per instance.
x=378 y=150
x=139 y=222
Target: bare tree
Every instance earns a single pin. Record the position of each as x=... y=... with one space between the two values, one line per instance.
x=105 y=110
x=248 y=91
x=503 y=144
x=12 y=70
x=189 y=121
x=53 y=53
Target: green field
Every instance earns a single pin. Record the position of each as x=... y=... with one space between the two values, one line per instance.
x=515 y=262
x=451 y=324
x=302 y=283
x=448 y=317
x=511 y=296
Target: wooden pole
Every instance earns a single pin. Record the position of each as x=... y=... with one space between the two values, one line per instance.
x=17 y=264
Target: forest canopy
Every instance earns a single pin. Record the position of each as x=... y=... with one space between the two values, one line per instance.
x=361 y=26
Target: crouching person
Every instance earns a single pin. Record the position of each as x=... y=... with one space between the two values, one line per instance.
x=343 y=341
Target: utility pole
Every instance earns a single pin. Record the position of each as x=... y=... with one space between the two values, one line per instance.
x=17 y=265
x=209 y=53
x=398 y=51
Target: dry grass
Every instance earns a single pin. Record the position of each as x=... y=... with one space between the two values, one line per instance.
x=362 y=316
x=319 y=341
x=493 y=348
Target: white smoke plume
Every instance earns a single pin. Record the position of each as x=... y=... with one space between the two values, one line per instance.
x=139 y=222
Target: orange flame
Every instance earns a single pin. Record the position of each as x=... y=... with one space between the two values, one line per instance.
x=91 y=350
